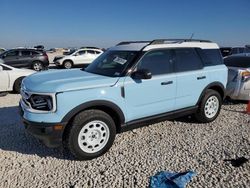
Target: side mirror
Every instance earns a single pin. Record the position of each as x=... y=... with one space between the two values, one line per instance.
x=142 y=74
x=1 y=68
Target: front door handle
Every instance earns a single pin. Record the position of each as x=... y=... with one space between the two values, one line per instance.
x=201 y=77
x=167 y=83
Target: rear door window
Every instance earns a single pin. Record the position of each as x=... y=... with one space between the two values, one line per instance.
x=90 y=51
x=81 y=52
x=187 y=59
x=25 y=53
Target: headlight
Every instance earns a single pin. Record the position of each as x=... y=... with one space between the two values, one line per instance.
x=41 y=102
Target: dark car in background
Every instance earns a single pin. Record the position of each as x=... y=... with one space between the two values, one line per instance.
x=240 y=50
x=26 y=58
x=225 y=51
x=2 y=50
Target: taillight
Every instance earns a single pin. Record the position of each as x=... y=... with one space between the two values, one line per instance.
x=245 y=75
x=45 y=55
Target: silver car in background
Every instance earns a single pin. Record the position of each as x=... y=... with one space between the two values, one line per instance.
x=238 y=86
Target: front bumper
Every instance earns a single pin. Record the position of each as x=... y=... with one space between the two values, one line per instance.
x=51 y=134
x=57 y=63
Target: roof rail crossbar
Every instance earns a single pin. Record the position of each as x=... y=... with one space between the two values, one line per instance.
x=165 y=41
x=130 y=42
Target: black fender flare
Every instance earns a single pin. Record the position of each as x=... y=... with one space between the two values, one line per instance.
x=213 y=85
x=95 y=104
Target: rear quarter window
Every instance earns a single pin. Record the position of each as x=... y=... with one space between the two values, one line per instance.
x=35 y=53
x=97 y=52
x=211 y=57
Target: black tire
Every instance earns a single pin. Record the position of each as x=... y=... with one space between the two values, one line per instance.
x=17 y=85
x=67 y=64
x=37 y=66
x=3 y=93
x=201 y=115
x=83 y=119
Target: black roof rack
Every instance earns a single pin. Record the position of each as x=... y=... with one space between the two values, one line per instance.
x=164 y=41
x=131 y=42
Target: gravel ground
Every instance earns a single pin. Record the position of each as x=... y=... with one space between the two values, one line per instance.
x=136 y=155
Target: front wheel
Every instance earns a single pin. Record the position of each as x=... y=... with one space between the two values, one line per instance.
x=37 y=66
x=209 y=107
x=91 y=135
x=67 y=64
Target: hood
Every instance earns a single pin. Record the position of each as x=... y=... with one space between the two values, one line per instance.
x=28 y=71
x=65 y=80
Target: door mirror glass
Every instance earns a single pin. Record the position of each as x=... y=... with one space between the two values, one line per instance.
x=142 y=74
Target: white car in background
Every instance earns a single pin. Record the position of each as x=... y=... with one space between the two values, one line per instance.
x=83 y=56
x=11 y=78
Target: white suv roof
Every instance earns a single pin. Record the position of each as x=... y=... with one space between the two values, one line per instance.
x=94 y=49
x=164 y=43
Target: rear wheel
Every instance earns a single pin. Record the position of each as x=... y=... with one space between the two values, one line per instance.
x=17 y=85
x=209 y=107
x=67 y=64
x=37 y=66
x=91 y=135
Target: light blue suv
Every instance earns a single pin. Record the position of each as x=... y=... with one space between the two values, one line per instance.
x=130 y=85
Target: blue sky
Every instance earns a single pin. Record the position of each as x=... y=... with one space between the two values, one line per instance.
x=74 y=23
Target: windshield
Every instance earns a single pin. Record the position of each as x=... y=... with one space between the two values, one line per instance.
x=111 y=63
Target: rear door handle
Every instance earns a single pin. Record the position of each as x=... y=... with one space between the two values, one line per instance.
x=167 y=83
x=201 y=77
